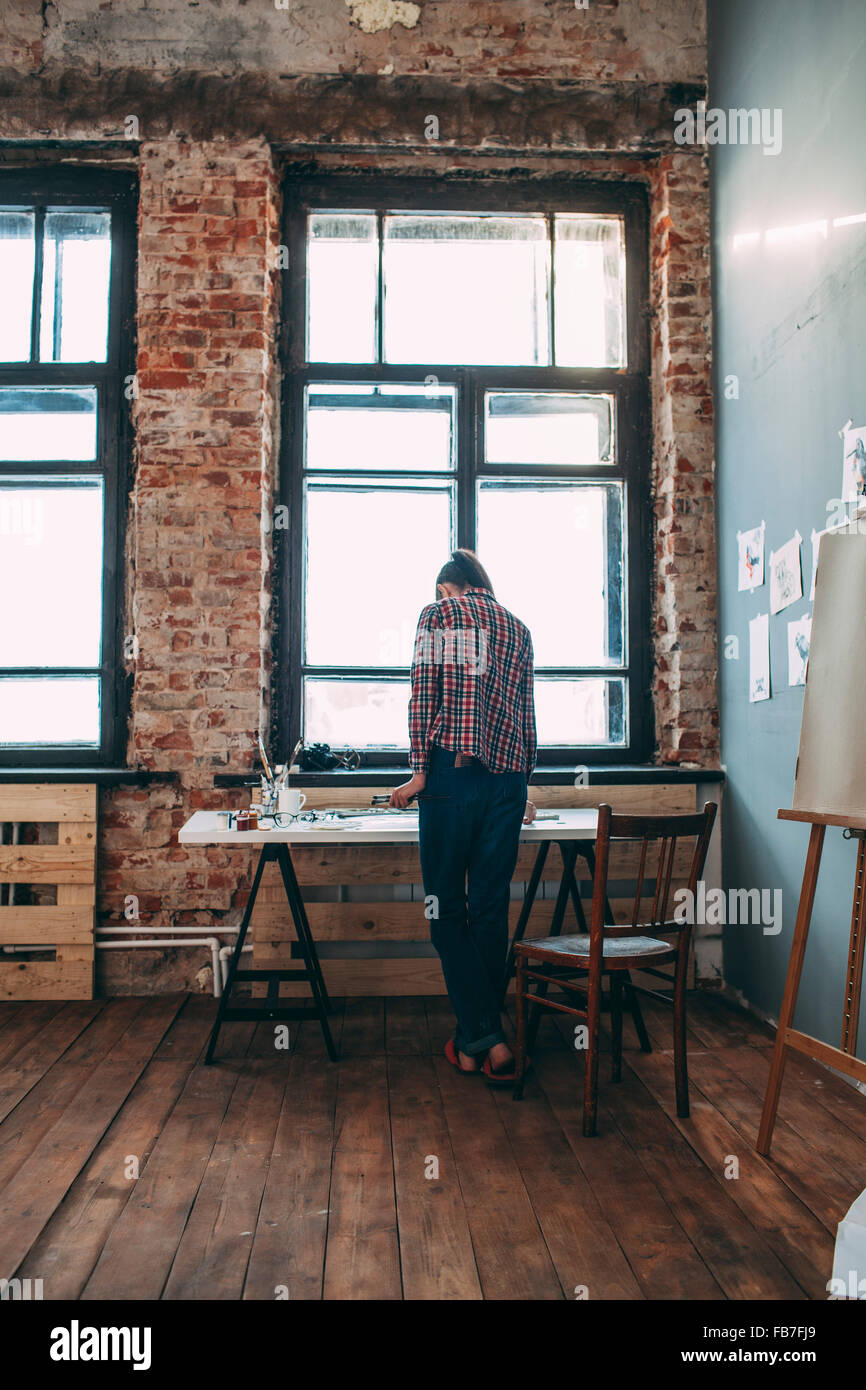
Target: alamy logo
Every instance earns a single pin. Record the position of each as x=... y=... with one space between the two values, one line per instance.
x=453 y=646
x=855 y=1287
x=20 y=1290
x=21 y=514
x=713 y=907
x=77 y=1343
x=739 y=126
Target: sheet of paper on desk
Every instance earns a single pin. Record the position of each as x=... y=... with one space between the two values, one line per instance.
x=405 y=821
x=350 y=818
x=395 y=819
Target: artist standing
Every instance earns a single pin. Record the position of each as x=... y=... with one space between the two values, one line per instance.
x=472 y=737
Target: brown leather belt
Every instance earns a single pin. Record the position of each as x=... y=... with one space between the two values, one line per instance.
x=463 y=759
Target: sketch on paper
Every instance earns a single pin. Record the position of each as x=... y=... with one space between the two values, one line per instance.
x=854 y=464
x=799 y=636
x=786 y=575
x=759 y=658
x=751 y=563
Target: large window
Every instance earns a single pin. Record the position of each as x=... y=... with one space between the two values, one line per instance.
x=65 y=287
x=467 y=364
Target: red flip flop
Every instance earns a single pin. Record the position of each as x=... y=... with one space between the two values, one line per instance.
x=451 y=1056
x=504 y=1076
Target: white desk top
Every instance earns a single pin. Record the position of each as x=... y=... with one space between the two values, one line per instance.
x=203 y=828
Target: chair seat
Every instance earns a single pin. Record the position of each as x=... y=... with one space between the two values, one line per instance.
x=614 y=947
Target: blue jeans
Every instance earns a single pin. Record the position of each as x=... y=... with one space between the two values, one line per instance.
x=469 y=828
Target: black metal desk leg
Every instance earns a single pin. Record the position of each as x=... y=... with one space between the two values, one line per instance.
x=569 y=850
x=299 y=916
x=265 y=857
x=307 y=945
x=574 y=887
x=526 y=908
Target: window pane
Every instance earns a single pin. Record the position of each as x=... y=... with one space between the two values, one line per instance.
x=342 y=281
x=555 y=555
x=51 y=561
x=17 y=261
x=548 y=427
x=372 y=559
x=76 y=268
x=588 y=711
x=388 y=427
x=39 y=711
x=466 y=289
x=589 y=276
x=356 y=713
x=47 y=423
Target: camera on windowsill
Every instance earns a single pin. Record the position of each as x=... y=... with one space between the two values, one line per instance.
x=320 y=758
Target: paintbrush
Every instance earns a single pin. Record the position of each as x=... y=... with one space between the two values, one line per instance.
x=264 y=757
x=283 y=779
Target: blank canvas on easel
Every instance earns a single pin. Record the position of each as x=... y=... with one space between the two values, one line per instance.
x=831 y=765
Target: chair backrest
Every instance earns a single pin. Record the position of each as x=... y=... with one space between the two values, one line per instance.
x=656 y=840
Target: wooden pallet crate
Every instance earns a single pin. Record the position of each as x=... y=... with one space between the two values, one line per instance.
x=69 y=865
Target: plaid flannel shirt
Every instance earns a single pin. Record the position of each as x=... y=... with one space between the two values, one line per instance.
x=472 y=684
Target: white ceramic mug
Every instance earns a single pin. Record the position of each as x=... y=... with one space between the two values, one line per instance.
x=290 y=801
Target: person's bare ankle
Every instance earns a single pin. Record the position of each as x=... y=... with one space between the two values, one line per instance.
x=467 y=1062
x=499 y=1054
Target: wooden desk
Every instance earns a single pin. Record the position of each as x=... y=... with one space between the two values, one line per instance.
x=362 y=899
x=573 y=831
x=374 y=828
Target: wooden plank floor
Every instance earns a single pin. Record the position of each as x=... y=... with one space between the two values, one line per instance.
x=129 y=1170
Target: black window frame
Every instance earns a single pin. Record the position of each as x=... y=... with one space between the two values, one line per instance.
x=630 y=386
x=117 y=191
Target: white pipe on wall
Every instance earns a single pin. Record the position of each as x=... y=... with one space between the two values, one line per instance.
x=225 y=952
x=123 y=932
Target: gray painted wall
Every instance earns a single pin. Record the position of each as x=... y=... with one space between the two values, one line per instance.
x=790 y=322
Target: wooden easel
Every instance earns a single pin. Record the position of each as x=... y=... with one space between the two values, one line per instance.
x=842 y=1058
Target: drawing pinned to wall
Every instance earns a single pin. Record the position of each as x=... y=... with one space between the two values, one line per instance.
x=759 y=658
x=751 y=551
x=786 y=575
x=853 y=462
x=799 y=637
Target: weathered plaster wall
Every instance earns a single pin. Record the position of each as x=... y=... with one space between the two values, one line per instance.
x=646 y=41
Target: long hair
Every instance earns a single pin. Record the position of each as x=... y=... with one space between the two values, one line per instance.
x=464 y=568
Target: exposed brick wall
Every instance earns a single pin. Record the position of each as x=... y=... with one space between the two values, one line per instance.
x=527 y=87
x=199 y=553
x=685 y=596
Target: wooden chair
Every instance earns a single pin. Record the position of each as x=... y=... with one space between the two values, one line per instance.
x=576 y=964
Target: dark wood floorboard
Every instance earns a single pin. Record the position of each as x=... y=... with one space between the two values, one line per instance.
x=511 y=1253
x=137 y=1257
x=797 y=1236
x=362 y=1257
x=437 y=1259
x=129 y=1170
x=214 y=1250
x=287 y=1257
